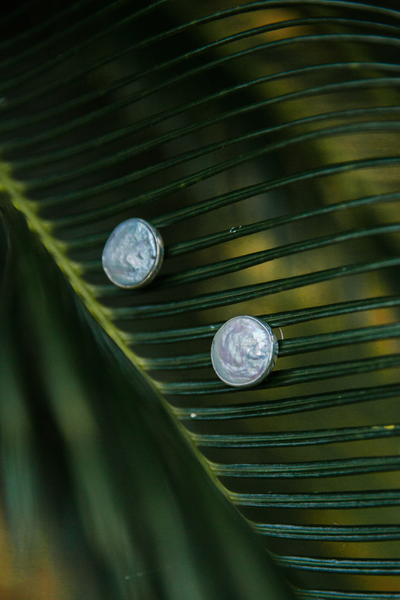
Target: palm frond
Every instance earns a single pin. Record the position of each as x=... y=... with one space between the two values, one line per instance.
x=262 y=140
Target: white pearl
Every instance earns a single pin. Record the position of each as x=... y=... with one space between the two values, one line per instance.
x=133 y=254
x=244 y=351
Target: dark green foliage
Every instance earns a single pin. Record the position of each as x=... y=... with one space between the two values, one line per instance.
x=263 y=141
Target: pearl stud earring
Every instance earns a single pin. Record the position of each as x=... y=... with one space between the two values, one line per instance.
x=133 y=254
x=244 y=351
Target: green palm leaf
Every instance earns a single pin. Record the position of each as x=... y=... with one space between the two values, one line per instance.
x=262 y=141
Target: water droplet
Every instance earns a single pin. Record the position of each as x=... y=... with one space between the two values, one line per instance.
x=193 y=415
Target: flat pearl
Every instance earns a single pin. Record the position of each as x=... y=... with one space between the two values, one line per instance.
x=244 y=351
x=133 y=254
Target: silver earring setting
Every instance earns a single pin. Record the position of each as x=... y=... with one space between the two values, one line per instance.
x=133 y=254
x=244 y=351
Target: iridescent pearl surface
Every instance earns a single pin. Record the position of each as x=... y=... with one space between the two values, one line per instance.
x=133 y=254
x=244 y=351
